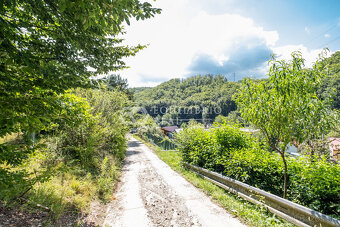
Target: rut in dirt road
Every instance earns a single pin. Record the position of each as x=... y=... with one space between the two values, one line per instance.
x=152 y=194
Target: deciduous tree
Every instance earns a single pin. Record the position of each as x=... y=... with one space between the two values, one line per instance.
x=47 y=47
x=286 y=107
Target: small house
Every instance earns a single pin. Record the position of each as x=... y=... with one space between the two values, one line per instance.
x=169 y=130
x=334 y=146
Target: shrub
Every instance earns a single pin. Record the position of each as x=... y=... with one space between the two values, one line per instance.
x=107 y=177
x=74 y=160
x=238 y=155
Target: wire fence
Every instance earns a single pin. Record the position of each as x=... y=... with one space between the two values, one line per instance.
x=161 y=142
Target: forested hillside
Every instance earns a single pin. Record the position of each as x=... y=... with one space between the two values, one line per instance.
x=199 y=97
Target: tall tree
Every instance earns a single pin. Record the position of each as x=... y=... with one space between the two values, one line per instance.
x=47 y=47
x=286 y=107
x=116 y=82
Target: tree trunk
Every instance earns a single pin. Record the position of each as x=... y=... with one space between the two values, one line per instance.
x=284 y=175
x=310 y=143
x=312 y=155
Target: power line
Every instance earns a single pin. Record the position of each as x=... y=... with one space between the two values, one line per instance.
x=329 y=42
x=322 y=33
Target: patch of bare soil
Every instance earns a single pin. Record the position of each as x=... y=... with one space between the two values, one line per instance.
x=97 y=215
x=12 y=217
x=163 y=206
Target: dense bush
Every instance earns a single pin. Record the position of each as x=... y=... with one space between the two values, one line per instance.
x=238 y=155
x=75 y=159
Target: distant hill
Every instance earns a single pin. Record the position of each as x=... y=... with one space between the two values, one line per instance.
x=179 y=100
x=203 y=98
x=139 y=89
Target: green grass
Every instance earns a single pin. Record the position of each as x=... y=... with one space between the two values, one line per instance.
x=10 y=138
x=72 y=188
x=249 y=213
x=69 y=187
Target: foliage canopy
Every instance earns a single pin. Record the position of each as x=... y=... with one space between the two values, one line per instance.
x=286 y=108
x=47 y=47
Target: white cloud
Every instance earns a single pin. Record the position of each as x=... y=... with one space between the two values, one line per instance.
x=310 y=56
x=184 y=31
x=307 y=30
x=327 y=36
x=181 y=32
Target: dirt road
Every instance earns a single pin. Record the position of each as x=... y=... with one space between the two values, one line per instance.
x=151 y=194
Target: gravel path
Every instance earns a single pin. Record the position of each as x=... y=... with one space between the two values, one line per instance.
x=151 y=194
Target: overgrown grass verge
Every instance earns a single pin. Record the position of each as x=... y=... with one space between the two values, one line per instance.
x=249 y=213
x=66 y=186
x=60 y=168
x=73 y=190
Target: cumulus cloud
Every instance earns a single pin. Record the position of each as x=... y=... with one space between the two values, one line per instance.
x=243 y=60
x=215 y=6
x=184 y=33
x=310 y=56
x=188 y=39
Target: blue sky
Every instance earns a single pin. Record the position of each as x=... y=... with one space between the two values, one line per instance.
x=193 y=37
x=297 y=21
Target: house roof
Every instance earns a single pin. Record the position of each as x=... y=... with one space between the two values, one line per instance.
x=169 y=128
x=334 y=143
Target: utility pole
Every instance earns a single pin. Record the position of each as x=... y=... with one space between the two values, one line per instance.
x=234 y=76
